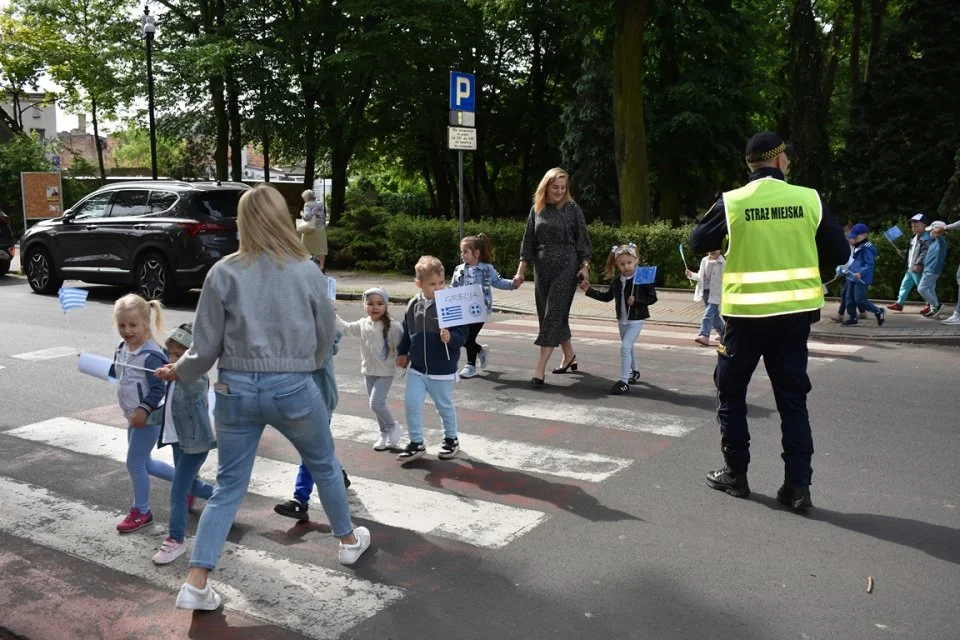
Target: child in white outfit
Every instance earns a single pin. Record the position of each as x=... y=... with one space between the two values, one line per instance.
x=379 y=337
x=709 y=286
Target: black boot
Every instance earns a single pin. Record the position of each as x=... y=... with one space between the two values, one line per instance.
x=795 y=496
x=729 y=481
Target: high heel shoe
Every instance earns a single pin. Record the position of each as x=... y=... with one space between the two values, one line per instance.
x=537 y=382
x=572 y=365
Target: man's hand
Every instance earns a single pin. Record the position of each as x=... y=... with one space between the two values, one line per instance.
x=138 y=419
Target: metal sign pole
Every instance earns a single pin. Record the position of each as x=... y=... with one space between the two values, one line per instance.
x=460 y=172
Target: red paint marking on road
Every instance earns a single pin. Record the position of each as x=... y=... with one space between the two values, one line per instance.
x=106 y=414
x=47 y=594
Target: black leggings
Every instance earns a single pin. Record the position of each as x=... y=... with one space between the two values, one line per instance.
x=472 y=347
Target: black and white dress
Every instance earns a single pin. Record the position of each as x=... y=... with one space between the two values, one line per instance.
x=556 y=243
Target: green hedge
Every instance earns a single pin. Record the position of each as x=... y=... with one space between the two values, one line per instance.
x=373 y=239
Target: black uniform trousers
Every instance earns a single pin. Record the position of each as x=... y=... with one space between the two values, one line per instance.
x=782 y=343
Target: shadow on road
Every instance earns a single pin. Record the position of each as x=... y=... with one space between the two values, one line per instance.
x=933 y=539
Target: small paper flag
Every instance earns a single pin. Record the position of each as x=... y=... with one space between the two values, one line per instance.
x=71 y=298
x=645 y=275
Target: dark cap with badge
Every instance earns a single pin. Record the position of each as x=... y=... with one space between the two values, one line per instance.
x=764 y=146
x=922 y=218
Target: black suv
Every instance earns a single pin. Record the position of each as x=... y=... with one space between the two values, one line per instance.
x=7 y=244
x=158 y=237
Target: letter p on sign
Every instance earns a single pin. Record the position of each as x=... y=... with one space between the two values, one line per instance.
x=462 y=93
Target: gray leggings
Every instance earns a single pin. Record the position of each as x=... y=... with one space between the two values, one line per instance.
x=378 y=388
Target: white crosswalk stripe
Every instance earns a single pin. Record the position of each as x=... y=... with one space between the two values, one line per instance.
x=475 y=522
x=317 y=602
x=46 y=354
x=661 y=424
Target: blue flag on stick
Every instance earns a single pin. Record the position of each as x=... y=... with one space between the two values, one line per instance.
x=71 y=298
x=645 y=275
x=893 y=233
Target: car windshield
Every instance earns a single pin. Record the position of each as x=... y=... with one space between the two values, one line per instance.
x=219 y=204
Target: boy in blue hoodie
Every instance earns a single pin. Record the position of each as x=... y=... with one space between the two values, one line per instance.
x=933 y=266
x=860 y=275
x=433 y=355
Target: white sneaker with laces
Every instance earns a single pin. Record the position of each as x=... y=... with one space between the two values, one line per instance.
x=394 y=435
x=482 y=356
x=350 y=553
x=170 y=550
x=382 y=442
x=468 y=371
x=193 y=599
x=952 y=320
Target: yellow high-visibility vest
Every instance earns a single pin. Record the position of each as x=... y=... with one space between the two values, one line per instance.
x=772 y=264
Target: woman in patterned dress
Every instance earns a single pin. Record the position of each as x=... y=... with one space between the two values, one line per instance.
x=557 y=244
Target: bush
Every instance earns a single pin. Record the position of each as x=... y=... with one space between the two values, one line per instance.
x=19 y=153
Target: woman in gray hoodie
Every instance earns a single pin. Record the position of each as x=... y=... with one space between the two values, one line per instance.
x=265 y=316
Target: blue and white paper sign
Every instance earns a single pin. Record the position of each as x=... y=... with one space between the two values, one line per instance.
x=893 y=233
x=460 y=305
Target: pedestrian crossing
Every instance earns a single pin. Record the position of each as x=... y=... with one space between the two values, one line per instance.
x=560 y=443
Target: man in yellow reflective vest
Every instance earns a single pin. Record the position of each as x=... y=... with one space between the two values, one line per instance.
x=780 y=236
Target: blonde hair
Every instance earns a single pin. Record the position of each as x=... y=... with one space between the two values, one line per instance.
x=428 y=265
x=616 y=251
x=308 y=195
x=265 y=226
x=151 y=311
x=540 y=197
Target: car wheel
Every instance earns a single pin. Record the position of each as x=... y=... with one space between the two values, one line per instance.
x=4 y=267
x=40 y=272
x=154 y=278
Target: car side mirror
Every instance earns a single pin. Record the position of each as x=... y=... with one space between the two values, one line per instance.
x=68 y=215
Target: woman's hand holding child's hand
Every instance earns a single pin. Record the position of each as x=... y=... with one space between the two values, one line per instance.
x=585 y=285
x=138 y=419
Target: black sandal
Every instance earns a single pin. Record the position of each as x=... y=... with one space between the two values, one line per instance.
x=572 y=365
x=537 y=382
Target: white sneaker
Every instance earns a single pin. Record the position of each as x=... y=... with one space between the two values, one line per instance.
x=482 y=356
x=193 y=599
x=468 y=371
x=394 y=435
x=170 y=550
x=952 y=320
x=381 y=442
x=350 y=553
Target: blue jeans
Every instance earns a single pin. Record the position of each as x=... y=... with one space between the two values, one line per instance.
x=846 y=291
x=294 y=406
x=629 y=332
x=140 y=442
x=185 y=482
x=441 y=391
x=711 y=317
x=910 y=280
x=928 y=288
x=856 y=298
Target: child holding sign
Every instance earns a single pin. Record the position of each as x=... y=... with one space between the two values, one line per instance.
x=433 y=354
x=632 y=302
x=475 y=251
x=709 y=284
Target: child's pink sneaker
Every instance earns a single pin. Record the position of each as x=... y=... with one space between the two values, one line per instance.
x=704 y=340
x=134 y=520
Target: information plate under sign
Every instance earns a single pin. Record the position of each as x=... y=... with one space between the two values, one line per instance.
x=461 y=139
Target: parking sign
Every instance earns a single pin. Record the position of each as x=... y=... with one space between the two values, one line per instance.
x=463 y=95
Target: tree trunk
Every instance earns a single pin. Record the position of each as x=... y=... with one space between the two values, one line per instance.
x=878 y=9
x=669 y=205
x=236 y=136
x=807 y=110
x=221 y=124
x=431 y=193
x=310 y=151
x=855 y=46
x=629 y=129
x=339 y=160
x=833 y=58
x=266 y=157
x=96 y=138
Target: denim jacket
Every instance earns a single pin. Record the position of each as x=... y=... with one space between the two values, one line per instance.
x=191 y=416
x=484 y=275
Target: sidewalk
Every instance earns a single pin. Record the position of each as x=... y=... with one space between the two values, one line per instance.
x=677 y=308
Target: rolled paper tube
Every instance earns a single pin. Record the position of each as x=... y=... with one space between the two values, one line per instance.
x=95 y=366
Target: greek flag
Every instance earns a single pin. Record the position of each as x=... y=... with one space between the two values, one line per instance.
x=451 y=314
x=71 y=298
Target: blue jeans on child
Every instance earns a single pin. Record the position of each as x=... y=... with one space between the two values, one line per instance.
x=856 y=298
x=928 y=288
x=910 y=280
x=629 y=332
x=186 y=466
x=441 y=391
x=140 y=442
x=711 y=317
x=294 y=406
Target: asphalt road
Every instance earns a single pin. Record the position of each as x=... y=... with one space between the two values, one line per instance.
x=590 y=515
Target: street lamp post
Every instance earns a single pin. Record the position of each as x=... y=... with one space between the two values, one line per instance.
x=148 y=28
